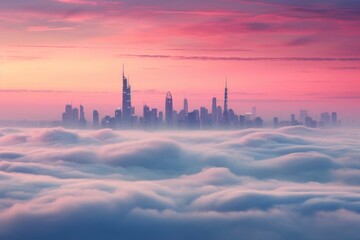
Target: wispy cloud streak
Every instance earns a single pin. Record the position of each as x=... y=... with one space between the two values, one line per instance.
x=213 y=58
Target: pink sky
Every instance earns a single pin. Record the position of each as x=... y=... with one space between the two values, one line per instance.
x=281 y=56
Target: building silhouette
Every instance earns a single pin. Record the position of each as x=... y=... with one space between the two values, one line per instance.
x=127 y=110
x=213 y=112
x=82 y=121
x=221 y=117
x=75 y=117
x=186 y=106
x=169 y=110
x=226 y=110
x=95 y=119
x=67 y=116
x=334 y=121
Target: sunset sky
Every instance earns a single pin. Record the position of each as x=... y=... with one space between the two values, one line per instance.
x=278 y=55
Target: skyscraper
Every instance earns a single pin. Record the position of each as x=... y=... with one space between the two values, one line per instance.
x=95 y=119
x=75 y=118
x=226 y=110
x=68 y=116
x=325 y=119
x=126 y=101
x=213 y=112
x=303 y=115
x=334 y=121
x=186 y=106
x=82 y=121
x=253 y=112
x=169 y=110
x=146 y=116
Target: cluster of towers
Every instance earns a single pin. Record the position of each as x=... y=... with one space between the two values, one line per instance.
x=72 y=119
x=220 y=117
x=326 y=120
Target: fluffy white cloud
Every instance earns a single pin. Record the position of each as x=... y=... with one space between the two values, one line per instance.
x=290 y=183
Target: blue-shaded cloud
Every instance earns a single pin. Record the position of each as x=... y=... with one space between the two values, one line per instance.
x=290 y=183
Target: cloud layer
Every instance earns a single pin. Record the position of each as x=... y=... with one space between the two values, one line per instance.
x=292 y=183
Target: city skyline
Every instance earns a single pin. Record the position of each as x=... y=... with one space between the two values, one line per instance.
x=219 y=117
x=126 y=103
x=277 y=54
x=173 y=120
x=125 y=118
x=156 y=96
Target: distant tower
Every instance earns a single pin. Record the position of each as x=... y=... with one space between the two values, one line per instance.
x=75 y=117
x=95 y=119
x=126 y=100
x=226 y=110
x=334 y=121
x=146 y=116
x=67 y=116
x=213 y=111
x=82 y=122
x=303 y=115
x=253 y=112
x=186 y=106
x=169 y=110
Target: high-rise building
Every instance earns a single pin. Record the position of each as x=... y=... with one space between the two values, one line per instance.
x=75 y=117
x=309 y=122
x=204 y=117
x=213 y=112
x=161 y=117
x=68 y=116
x=146 y=116
x=253 y=112
x=292 y=120
x=226 y=110
x=219 y=114
x=154 y=122
x=303 y=115
x=186 y=106
x=95 y=119
x=233 y=119
x=82 y=121
x=169 y=110
x=334 y=121
x=258 y=122
x=325 y=119
x=126 y=101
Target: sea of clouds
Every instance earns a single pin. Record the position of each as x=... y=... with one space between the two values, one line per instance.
x=290 y=183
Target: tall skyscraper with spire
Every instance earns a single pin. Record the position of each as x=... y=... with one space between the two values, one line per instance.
x=126 y=100
x=169 y=110
x=226 y=110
